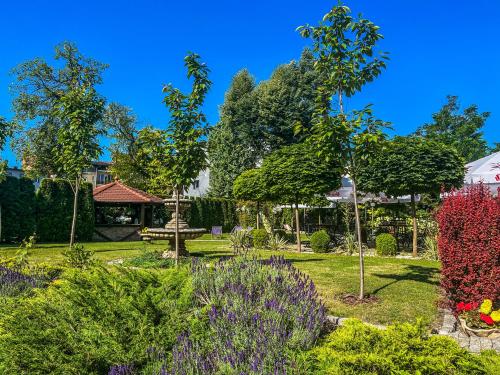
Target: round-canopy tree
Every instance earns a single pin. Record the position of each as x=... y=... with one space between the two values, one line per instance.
x=296 y=174
x=413 y=165
x=249 y=186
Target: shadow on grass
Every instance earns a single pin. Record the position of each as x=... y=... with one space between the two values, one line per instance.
x=296 y=260
x=420 y=274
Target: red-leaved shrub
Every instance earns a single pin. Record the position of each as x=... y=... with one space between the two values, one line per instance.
x=469 y=245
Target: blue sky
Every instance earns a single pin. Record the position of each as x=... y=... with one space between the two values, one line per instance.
x=437 y=48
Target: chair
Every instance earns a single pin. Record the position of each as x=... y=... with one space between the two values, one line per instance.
x=216 y=232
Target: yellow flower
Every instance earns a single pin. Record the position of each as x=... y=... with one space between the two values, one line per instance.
x=486 y=306
x=495 y=315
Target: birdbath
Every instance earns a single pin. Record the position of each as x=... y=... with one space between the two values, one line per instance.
x=168 y=233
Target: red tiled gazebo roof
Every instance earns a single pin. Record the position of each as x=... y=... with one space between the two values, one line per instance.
x=117 y=192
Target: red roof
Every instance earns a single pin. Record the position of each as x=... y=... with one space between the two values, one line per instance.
x=117 y=192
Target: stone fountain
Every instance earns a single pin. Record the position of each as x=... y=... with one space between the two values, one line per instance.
x=168 y=233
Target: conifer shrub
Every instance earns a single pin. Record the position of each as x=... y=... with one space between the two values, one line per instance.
x=385 y=244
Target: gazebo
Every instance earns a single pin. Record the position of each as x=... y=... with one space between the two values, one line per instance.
x=122 y=211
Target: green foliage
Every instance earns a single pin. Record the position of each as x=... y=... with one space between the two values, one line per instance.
x=250 y=186
x=62 y=104
x=320 y=241
x=208 y=212
x=90 y=320
x=17 y=201
x=259 y=238
x=54 y=207
x=295 y=174
x=358 y=348
x=385 y=244
x=240 y=241
x=77 y=256
x=460 y=130
x=412 y=165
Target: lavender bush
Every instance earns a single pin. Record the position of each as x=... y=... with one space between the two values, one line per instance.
x=258 y=311
x=16 y=281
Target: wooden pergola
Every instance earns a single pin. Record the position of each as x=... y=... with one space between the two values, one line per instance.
x=118 y=195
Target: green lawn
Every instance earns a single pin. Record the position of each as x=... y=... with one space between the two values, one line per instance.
x=406 y=289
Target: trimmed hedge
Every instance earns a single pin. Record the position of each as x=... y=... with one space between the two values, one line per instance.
x=54 y=203
x=320 y=241
x=17 y=198
x=208 y=212
x=385 y=244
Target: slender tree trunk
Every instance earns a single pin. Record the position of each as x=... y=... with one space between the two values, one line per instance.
x=176 y=226
x=414 y=219
x=360 y=246
x=258 y=215
x=297 y=223
x=75 y=212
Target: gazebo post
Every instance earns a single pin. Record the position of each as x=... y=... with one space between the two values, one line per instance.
x=143 y=215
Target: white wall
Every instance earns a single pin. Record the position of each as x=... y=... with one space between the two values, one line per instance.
x=202 y=185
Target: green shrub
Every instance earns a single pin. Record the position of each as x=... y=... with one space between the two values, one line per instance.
x=54 y=207
x=259 y=238
x=90 y=320
x=78 y=257
x=320 y=241
x=209 y=212
x=358 y=348
x=385 y=244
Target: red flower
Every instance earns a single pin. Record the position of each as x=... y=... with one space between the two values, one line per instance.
x=487 y=319
x=474 y=305
x=468 y=307
x=460 y=306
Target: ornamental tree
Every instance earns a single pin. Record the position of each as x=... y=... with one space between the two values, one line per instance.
x=296 y=174
x=178 y=154
x=66 y=109
x=410 y=166
x=249 y=186
x=346 y=59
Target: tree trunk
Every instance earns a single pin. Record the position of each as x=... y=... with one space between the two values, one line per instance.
x=258 y=215
x=297 y=223
x=75 y=212
x=414 y=219
x=360 y=246
x=176 y=226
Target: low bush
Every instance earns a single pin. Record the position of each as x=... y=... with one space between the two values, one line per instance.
x=78 y=256
x=258 y=312
x=259 y=238
x=90 y=320
x=385 y=244
x=358 y=348
x=320 y=241
x=15 y=282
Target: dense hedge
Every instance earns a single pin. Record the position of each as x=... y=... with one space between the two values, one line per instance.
x=208 y=212
x=385 y=244
x=469 y=245
x=17 y=198
x=55 y=209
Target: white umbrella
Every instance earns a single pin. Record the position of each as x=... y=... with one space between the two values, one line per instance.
x=486 y=170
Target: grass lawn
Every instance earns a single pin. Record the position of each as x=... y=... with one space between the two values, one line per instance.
x=406 y=289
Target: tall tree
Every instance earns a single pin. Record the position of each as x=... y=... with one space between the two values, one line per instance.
x=249 y=186
x=130 y=159
x=39 y=87
x=66 y=110
x=179 y=153
x=346 y=59
x=232 y=143
x=460 y=130
x=258 y=119
x=6 y=129
x=413 y=165
x=296 y=174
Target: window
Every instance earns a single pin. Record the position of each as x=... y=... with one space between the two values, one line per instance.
x=196 y=184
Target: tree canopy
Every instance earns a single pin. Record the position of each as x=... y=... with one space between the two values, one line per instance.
x=258 y=119
x=412 y=165
x=249 y=186
x=461 y=130
x=39 y=89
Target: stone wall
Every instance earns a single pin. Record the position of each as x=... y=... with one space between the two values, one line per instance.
x=117 y=233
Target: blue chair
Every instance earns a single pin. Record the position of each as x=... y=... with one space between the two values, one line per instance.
x=216 y=232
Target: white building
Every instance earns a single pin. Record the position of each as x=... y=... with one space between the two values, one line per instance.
x=199 y=187
x=486 y=170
